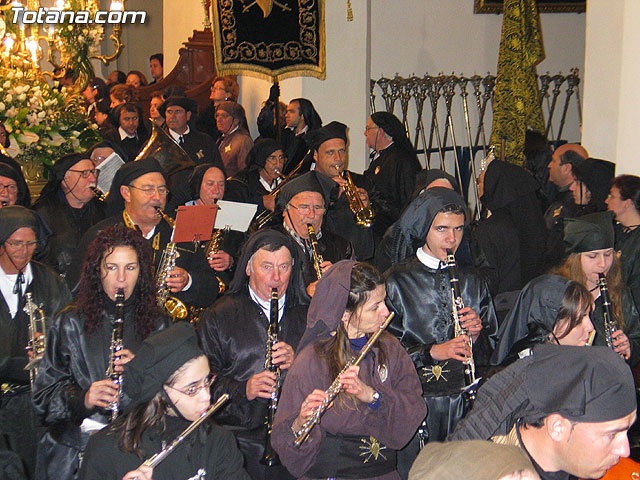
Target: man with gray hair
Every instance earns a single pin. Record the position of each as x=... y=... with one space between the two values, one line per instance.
x=568 y=408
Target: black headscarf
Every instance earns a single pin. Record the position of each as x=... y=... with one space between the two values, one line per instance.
x=427 y=177
x=583 y=384
x=15 y=217
x=296 y=293
x=195 y=180
x=308 y=182
x=158 y=358
x=596 y=174
x=124 y=176
x=410 y=231
x=9 y=171
x=589 y=232
x=394 y=128
x=59 y=170
x=317 y=137
x=257 y=156
x=328 y=303
x=534 y=315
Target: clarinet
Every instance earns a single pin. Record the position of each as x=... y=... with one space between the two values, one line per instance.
x=115 y=348
x=334 y=390
x=457 y=304
x=164 y=453
x=317 y=258
x=270 y=457
x=610 y=324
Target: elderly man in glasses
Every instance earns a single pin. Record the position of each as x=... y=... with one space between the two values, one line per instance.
x=303 y=202
x=138 y=190
x=69 y=207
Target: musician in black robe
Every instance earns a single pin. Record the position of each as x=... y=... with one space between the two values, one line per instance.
x=72 y=391
x=11 y=174
x=419 y=292
x=69 y=207
x=303 y=202
x=393 y=168
x=237 y=348
x=22 y=233
x=129 y=133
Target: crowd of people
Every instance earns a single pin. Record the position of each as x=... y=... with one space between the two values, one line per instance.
x=511 y=338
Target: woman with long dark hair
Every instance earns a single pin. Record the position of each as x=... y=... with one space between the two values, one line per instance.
x=72 y=393
x=168 y=383
x=381 y=405
x=549 y=309
x=589 y=240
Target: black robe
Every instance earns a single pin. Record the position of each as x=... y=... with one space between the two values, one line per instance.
x=628 y=244
x=68 y=225
x=209 y=452
x=73 y=360
x=421 y=299
x=130 y=146
x=562 y=207
x=17 y=422
x=233 y=333
x=393 y=175
x=201 y=148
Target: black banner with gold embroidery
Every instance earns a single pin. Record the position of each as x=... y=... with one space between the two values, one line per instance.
x=271 y=38
x=516 y=102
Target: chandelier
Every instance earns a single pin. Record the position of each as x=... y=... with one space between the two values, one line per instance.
x=66 y=29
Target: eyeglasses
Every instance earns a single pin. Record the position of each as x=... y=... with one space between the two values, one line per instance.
x=306 y=209
x=11 y=188
x=366 y=129
x=193 y=390
x=16 y=244
x=85 y=173
x=273 y=158
x=150 y=190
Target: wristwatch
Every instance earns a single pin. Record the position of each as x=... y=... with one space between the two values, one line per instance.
x=376 y=397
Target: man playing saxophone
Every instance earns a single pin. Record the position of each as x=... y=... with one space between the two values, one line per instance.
x=22 y=233
x=302 y=203
x=138 y=194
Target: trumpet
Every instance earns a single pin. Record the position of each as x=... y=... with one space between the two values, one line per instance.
x=336 y=387
x=37 y=335
x=164 y=453
x=99 y=193
x=270 y=457
x=173 y=306
x=457 y=304
x=116 y=346
x=317 y=258
x=364 y=215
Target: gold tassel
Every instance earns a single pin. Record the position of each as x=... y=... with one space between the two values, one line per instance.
x=349 y=12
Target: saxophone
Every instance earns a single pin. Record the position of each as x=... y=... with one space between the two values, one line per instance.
x=100 y=195
x=456 y=305
x=610 y=324
x=174 y=307
x=115 y=348
x=37 y=343
x=335 y=388
x=317 y=258
x=364 y=215
x=270 y=457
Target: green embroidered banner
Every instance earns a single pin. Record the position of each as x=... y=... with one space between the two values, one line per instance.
x=269 y=38
x=516 y=102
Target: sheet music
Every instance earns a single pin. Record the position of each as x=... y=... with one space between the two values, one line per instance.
x=235 y=215
x=108 y=169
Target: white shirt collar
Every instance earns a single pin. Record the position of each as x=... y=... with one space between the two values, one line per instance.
x=124 y=134
x=428 y=261
x=176 y=136
x=7 y=283
x=265 y=305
